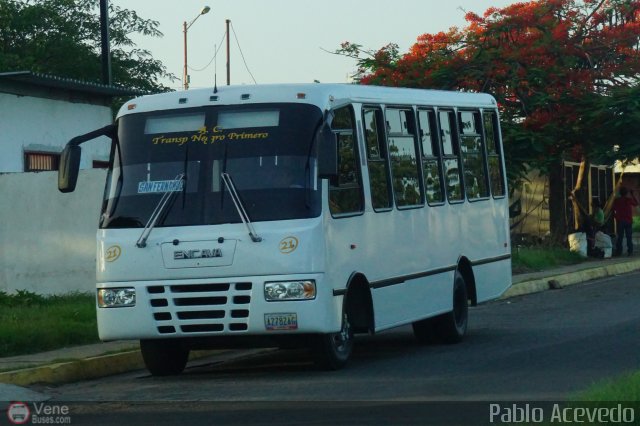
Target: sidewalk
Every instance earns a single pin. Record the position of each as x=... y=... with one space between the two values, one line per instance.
x=104 y=359
x=564 y=276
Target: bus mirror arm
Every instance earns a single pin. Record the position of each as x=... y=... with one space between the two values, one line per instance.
x=327 y=153
x=70 y=157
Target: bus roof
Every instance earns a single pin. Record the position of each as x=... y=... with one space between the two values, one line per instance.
x=322 y=95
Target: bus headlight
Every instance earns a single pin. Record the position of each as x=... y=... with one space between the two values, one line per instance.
x=116 y=297
x=290 y=290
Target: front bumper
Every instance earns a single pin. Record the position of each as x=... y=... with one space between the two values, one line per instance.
x=215 y=307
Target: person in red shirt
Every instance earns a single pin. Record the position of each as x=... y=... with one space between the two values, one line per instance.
x=623 y=213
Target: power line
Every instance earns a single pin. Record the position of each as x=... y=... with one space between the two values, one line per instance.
x=241 y=54
x=212 y=59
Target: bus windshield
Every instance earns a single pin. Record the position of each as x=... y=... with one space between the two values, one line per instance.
x=266 y=149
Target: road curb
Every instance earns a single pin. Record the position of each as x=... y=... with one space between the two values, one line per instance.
x=83 y=369
x=570 y=278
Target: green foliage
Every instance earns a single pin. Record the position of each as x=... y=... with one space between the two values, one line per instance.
x=615 y=120
x=21 y=298
x=34 y=323
x=626 y=388
x=62 y=37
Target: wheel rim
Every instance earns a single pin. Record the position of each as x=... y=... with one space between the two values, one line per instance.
x=343 y=339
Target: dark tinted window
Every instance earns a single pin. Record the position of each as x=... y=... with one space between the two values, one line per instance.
x=377 y=159
x=347 y=196
x=266 y=149
x=431 y=163
x=473 y=155
x=403 y=154
x=496 y=172
x=450 y=159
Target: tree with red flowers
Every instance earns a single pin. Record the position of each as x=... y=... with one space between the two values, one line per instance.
x=564 y=73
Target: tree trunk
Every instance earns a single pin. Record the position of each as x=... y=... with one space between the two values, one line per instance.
x=557 y=204
x=579 y=197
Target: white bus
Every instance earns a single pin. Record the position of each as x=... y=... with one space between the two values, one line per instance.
x=297 y=215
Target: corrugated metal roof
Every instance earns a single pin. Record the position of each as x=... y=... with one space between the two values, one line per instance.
x=46 y=80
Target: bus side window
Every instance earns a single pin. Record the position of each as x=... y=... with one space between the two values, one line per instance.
x=431 y=165
x=404 y=158
x=452 y=172
x=377 y=163
x=347 y=197
x=473 y=155
x=496 y=174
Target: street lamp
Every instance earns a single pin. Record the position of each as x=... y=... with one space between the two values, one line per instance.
x=185 y=27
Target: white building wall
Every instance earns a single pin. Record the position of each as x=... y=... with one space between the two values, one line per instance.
x=47 y=239
x=37 y=124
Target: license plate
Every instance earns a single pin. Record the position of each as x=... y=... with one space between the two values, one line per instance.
x=281 y=321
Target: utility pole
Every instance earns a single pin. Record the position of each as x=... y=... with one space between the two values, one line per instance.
x=185 y=28
x=228 y=56
x=104 y=42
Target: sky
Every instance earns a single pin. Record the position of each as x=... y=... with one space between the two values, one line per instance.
x=287 y=41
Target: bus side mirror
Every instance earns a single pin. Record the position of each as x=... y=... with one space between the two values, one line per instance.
x=69 y=167
x=327 y=153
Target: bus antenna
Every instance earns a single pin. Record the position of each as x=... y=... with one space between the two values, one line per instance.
x=215 y=69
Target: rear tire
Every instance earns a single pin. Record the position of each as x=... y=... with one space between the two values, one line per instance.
x=332 y=351
x=452 y=326
x=164 y=357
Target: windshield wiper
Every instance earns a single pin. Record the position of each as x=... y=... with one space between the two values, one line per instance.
x=159 y=210
x=226 y=178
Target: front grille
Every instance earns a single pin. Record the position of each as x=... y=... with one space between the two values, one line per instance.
x=201 y=308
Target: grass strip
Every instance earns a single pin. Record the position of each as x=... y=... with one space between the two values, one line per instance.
x=529 y=259
x=34 y=323
x=625 y=388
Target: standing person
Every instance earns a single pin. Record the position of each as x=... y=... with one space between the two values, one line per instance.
x=623 y=213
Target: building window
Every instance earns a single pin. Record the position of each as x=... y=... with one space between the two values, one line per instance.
x=97 y=164
x=40 y=161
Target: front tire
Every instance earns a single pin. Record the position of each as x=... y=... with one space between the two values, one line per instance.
x=165 y=357
x=332 y=351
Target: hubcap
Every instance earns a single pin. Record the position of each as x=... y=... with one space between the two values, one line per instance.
x=342 y=339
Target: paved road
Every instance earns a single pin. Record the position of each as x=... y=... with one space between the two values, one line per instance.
x=538 y=347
